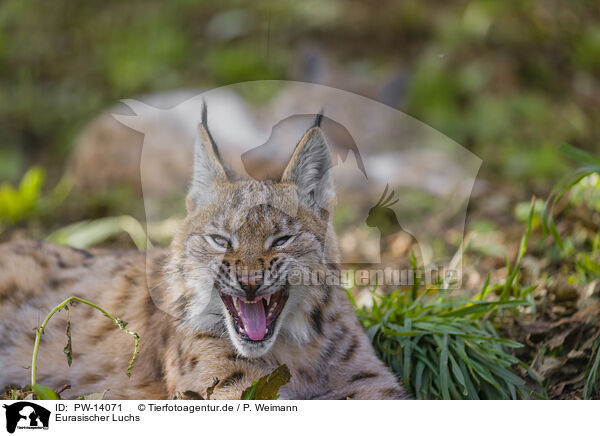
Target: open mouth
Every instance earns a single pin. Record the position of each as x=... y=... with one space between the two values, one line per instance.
x=255 y=320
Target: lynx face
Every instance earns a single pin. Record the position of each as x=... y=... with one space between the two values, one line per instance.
x=244 y=239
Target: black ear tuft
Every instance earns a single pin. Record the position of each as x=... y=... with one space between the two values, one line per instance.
x=319 y=118
x=204 y=116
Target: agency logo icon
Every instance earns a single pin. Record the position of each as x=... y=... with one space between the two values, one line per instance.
x=401 y=188
x=26 y=415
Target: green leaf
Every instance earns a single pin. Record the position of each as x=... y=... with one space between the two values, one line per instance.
x=21 y=203
x=593 y=373
x=578 y=155
x=85 y=234
x=419 y=375
x=482 y=307
x=30 y=187
x=44 y=392
x=444 y=375
x=267 y=387
x=351 y=298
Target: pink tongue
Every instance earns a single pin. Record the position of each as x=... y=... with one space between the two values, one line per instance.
x=254 y=319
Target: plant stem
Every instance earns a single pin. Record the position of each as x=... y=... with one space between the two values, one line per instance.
x=40 y=330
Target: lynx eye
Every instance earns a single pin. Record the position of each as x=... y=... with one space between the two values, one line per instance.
x=281 y=241
x=219 y=241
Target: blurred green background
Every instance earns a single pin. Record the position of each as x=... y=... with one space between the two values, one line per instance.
x=509 y=80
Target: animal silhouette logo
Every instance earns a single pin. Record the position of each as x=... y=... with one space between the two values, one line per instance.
x=383 y=217
x=268 y=160
x=26 y=415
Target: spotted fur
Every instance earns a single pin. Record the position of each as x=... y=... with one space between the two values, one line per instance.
x=172 y=297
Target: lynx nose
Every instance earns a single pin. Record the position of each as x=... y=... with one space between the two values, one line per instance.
x=250 y=283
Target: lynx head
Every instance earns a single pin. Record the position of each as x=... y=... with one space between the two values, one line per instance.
x=233 y=259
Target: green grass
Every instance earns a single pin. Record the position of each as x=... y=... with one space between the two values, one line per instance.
x=586 y=260
x=446 y=348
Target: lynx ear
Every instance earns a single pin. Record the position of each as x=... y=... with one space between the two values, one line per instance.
x=310 y=169
x=209 y=168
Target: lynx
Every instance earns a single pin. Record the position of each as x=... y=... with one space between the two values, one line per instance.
x=220 y=303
